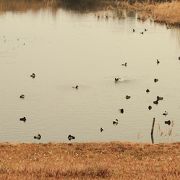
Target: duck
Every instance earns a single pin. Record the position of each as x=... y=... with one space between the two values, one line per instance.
x=101 y=129
x=70 y=137
x=23 y=119
x=147 y=90
x=156 y=80
x=133 y=30
x=168 y=122
x=149 y=107
x=165 y=113
x=128 y=97
x=22 y=96
x=155 y=102
x=125 y=64
x=38 y=137
x=121 y=111
x=159 y=98
x=75 y=87
x=115 y=122
x=116 y=79
x=33 y=75
x=145 y=29
x=157 y=61
x=179 y=58
x=141 y=32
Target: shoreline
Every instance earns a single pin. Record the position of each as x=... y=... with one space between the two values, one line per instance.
x=162 y=12
x=113 y=160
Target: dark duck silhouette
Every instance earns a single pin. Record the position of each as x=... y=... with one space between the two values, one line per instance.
x=70 y=137
x=149 y=107
x=156 y=80
x=142 y=33
x=38 y=137
x=179 y=58
x=159 y=98
x=165 y=113
x=101 y=129
x=125 y=64
x=115 y=122
x=133 y=30
x=145 y=29
x=23 y=119
x=121 y=111
x=156 y=102
x=116 y=80
x=33 y=75
x=168 y=122
x=147 y=90
x=128 y=97
x=22 y=96
x=76 y=87
x=157 y=61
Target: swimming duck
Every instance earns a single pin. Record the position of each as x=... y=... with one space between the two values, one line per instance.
x=70 y=137
x=165 y=113
x=179 y=57
x=147 y=90
x=141 y=32
x=159 y=98
x=145 y=29
x=156 y=80
x=75 y=87
x=33 y=75
x=149 y=107
x=155 y=102
x=168 y=122
x=115 y=122
x=101 y=129
x=22 y=96
x=128 y=97
x=23 y=119
x=157 y=61
x=133 y=30
x=116 y=79
x=125 y=64
x=38 y=137
x=121 y=111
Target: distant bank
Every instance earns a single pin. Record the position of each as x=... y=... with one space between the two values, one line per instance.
x=158 y=10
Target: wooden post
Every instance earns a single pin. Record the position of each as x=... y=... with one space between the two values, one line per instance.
x=152 y=131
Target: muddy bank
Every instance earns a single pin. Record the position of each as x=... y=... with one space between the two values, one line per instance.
x=90 y=161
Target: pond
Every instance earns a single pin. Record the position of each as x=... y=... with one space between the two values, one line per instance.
x=65 y=49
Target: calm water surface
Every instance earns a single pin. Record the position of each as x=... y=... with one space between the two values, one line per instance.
x=66 y=49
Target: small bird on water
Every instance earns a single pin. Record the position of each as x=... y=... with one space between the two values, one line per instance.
x=38 y=137
x=147 y=90
x=165 y=113
x=101 y=129
x=168 y=122
x=23 y=119
x=125 y=64
x=116 y=79
x=70 y=137
x=115 y=122
x=33 y=75
x=75 y=87
x=121 y=111
x=156 y=80
x=149 y=107
x=157 y=61
x=22 y=96
x=128 y=97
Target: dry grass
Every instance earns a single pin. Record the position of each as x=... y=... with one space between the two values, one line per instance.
x=90 y=161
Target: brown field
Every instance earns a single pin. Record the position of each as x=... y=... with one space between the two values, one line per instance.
x=90 y=161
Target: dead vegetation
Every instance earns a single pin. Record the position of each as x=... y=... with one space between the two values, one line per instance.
x=90 y=161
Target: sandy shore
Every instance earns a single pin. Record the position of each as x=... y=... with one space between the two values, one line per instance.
x=90 y=161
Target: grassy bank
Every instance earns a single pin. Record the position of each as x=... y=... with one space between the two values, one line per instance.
x=90 y=161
